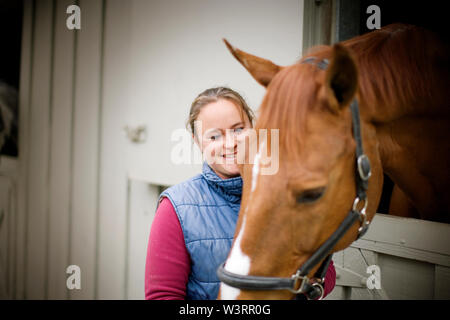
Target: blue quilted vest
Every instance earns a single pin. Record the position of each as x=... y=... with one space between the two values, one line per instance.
x=207 y=207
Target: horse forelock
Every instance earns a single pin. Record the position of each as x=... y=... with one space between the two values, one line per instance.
x=291 y=95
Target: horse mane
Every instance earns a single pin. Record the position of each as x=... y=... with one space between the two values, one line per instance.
x=398 y=68
x=401 y=68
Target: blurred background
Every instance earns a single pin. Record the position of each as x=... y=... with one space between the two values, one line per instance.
x=89 y=115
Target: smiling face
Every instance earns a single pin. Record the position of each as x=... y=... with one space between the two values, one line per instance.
x=222 y=128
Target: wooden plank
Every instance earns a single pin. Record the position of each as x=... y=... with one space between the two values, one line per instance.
x=405 y=278
x=360 y=294
x=113 y=171
x=8 y=213
x=24 y=113
x=11 y=237
x=355 y=261
x=338 y=293
x=9 y=167
x=349 y=278
x=369 y=257
x=338 y=257
x=318 y=23
x=37 y=193
x=442 y=283
x=410 y=233
x=351 y=275
x=142 y=200
x=5 y=240
x=404 y=252
x=84 y=205
x=60 y=158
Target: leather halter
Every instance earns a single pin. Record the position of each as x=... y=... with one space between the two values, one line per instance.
x=299 y=283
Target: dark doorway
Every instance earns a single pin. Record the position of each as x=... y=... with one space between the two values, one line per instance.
x=421 y=13
x=11 y=13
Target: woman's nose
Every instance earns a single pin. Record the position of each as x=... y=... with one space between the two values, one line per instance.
x=230 y=140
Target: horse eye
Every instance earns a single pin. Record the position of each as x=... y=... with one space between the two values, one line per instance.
x=310 y=195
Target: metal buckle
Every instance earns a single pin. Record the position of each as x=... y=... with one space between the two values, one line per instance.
x=323 y=64
x=298 y=277
x=356 y=203
x=362 y=216
x=364 y=175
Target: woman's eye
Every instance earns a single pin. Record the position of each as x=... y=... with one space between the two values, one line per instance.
x=214 y=137
x=238 y=130
x=309 y=196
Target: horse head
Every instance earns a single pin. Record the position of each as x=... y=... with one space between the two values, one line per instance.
x=287 y=215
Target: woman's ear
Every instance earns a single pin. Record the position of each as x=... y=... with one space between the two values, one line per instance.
x=342 y=76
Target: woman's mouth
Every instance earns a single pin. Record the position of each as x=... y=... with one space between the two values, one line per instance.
x=229 y=156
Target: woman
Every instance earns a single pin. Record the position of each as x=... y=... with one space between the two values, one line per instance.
x=194 y=224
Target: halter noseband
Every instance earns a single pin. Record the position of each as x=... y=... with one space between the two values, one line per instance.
x=299 y=283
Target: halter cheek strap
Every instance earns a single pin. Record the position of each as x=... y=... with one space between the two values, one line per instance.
x=363 y=169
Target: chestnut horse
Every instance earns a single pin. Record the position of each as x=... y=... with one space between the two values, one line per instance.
x=399 y=76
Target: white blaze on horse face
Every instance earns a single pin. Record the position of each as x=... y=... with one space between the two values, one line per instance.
x=255 y=169
x=239 y=263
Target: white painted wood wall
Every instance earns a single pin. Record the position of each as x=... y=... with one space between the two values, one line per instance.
x=86 y=195
x=8 y=210
x=413 y=256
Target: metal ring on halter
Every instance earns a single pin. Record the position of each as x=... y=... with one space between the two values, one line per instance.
x=298 y=277
x=322 y=291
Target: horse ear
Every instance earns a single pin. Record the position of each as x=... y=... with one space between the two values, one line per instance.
x=262 y=70
x=342 y=75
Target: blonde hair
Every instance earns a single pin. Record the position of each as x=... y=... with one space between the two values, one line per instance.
x=213 y=95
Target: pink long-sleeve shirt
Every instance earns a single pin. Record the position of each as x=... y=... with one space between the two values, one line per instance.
x=168 y=262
